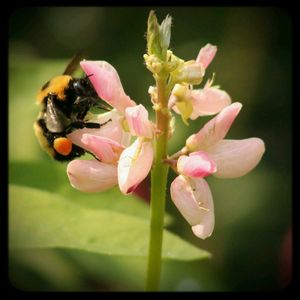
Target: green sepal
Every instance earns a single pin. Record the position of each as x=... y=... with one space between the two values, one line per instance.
x=153 y=36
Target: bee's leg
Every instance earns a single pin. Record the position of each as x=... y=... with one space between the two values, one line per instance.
x=92 y=102
x=94 y=125
x=81 y=124
x=83 y=104
x=100 y=105
x=91 y=125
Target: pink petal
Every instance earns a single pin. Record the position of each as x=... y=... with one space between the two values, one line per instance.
x=194 y=200
x=134 y=165
x=112 y=130
x=107 y=84
x=196 y=165
x=215 y=130
x=172 y=103
x=138 y=122
x=92 y=175
x=206 y=55
x=208 y=101
x=235 y=158
x=107 y=150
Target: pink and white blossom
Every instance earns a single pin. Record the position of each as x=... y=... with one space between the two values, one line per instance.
x=235 y=158
x=107 y=83
x=122 y=163
x=196 y=165
x=92 y=175
x=207 y=152
x=214 y=130
x=208 y=101
x=211 y=154
x=113 y=129
x=134 y=165
x=192 y=103
x=105 y=149
x=138 y=122
x=194 y=200
x=198 y=102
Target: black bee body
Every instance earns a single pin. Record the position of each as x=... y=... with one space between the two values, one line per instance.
x=65 y=102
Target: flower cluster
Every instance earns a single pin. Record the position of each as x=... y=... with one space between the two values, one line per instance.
x=124 y=147
x=118 y=161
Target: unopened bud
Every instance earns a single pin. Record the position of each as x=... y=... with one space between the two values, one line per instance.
x=158 y=36
x=153 y=36
x=165 y=32
x=190 y=72
x=153 y=63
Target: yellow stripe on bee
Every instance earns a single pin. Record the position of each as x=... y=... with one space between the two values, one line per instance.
x=63 y=146
x=42 y=139
x=56 y=86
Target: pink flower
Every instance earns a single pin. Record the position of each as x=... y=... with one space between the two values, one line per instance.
x=196 y=165
x=138 y=122
x=206 y=55
x=191 y=103
x=214 y=130
x=113 y=129
x=92 y=175
x=134 y=165
x=122 y=163
x=210 y=154
x=106 y=81
x=198 y=102
x=194 y=200
x=208 y=101
x=207 y=152
x=105 y=149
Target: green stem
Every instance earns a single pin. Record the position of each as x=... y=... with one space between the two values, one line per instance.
x=159 y=176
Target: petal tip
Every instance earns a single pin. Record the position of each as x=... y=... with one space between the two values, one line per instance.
x=237 y=105
x=260 y=146
x=200 y=231
x=84 y=63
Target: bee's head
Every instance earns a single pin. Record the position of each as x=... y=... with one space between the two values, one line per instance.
x=83 y=87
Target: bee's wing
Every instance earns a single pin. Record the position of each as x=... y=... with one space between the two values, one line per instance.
x=56 y=120
x=73 y=64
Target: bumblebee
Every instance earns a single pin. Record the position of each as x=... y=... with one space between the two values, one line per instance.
x=65 y=102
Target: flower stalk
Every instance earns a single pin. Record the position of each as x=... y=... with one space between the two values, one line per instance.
x=159 y=176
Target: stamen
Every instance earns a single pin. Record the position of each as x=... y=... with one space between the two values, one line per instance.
x=202 y=207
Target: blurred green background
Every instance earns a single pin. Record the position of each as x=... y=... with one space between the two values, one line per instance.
x=251 y=244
